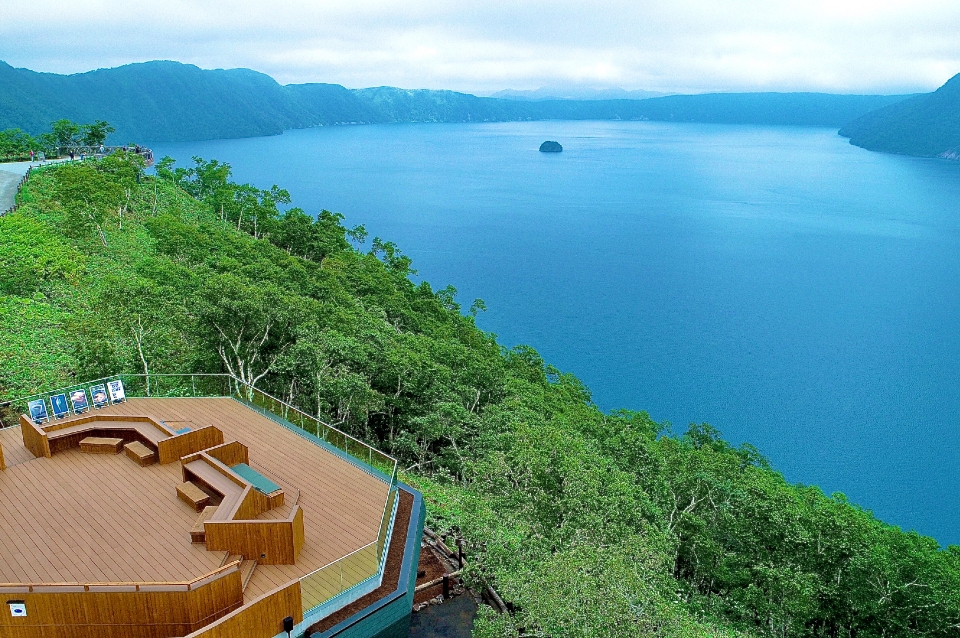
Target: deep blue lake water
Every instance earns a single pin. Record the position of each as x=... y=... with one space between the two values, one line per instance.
x=794 y=291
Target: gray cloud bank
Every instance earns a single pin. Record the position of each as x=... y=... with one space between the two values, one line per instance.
x=882 y=46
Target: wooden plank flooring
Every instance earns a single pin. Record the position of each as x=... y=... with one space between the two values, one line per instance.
x=78 y=517
x=13 y=451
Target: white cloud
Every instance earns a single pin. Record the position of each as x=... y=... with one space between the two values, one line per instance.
x=678 y=45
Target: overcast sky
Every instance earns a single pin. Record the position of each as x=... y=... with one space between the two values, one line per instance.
x=849 y=46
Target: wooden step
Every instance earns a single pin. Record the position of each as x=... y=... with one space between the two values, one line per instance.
x=246 y=572
x=101 y=445
x=140 y=453
x=193 y=496
x=229 y=558
x=197 y=533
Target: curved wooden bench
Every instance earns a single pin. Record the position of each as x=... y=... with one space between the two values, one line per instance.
x=171 y=445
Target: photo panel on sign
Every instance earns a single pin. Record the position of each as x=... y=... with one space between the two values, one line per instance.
x=59 y=404
x=78 y=399
x=99 y=395
x=38 y=410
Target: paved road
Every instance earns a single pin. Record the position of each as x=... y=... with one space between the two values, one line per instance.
x=8 y=188
x=10 y=175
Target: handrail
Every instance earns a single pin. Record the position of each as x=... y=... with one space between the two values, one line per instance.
x=189 y=584
x=250 y=390
x=287 y=407
x=112 y=377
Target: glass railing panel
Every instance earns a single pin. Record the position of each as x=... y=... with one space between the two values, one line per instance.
x=385 y=524
x=337 y=577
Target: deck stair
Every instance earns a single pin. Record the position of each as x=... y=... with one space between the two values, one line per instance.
x=191 y=494
x=247 y=568
x=140 y=453
x=101 y=445
x=197 y=532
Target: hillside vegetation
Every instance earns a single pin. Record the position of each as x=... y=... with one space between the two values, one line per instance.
x=925 y=125
x=169 y=101
x=587 y=523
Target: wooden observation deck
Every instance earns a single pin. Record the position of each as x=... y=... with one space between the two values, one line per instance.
x=80 y=528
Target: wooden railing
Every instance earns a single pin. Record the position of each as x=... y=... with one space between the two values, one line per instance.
x=67 y=588
x=124 y=610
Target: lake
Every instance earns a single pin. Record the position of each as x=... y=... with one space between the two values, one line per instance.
x=794 y=291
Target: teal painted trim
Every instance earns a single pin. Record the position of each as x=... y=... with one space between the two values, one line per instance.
x=258 y=480
x=369 y=469
x=385 y=615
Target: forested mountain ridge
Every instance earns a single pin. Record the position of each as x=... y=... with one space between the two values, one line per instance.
x=925 y=125
x=588 y=524
x=168 y=101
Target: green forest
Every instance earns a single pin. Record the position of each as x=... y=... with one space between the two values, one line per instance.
x=64 y=136
x=587 y=523
x=925 y=125
x=169 y=101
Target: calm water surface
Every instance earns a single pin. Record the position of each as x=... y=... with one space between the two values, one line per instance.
x=792 y=290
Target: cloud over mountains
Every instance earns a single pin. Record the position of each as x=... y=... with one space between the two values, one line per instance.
x=881 y=46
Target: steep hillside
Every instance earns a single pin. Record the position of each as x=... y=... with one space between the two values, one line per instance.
x=169 y=101
x=151 y=101
x=925 y=125
x=589 y=524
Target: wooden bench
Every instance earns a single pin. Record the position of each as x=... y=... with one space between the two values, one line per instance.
x=101 y=445
x=197 y=533
x=193 y=496
x=140 y=453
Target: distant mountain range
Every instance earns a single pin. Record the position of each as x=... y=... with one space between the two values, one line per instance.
x=170 y=101
x=925 y=125
x=576 y=93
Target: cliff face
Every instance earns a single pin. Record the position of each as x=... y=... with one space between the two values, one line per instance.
x=925 y=125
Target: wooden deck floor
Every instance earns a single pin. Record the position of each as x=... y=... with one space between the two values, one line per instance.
x=102 y=518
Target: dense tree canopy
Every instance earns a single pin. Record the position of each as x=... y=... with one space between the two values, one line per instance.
x=589 y=524
x=64 y=136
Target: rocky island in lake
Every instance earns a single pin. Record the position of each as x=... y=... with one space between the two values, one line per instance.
x=550 y=147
